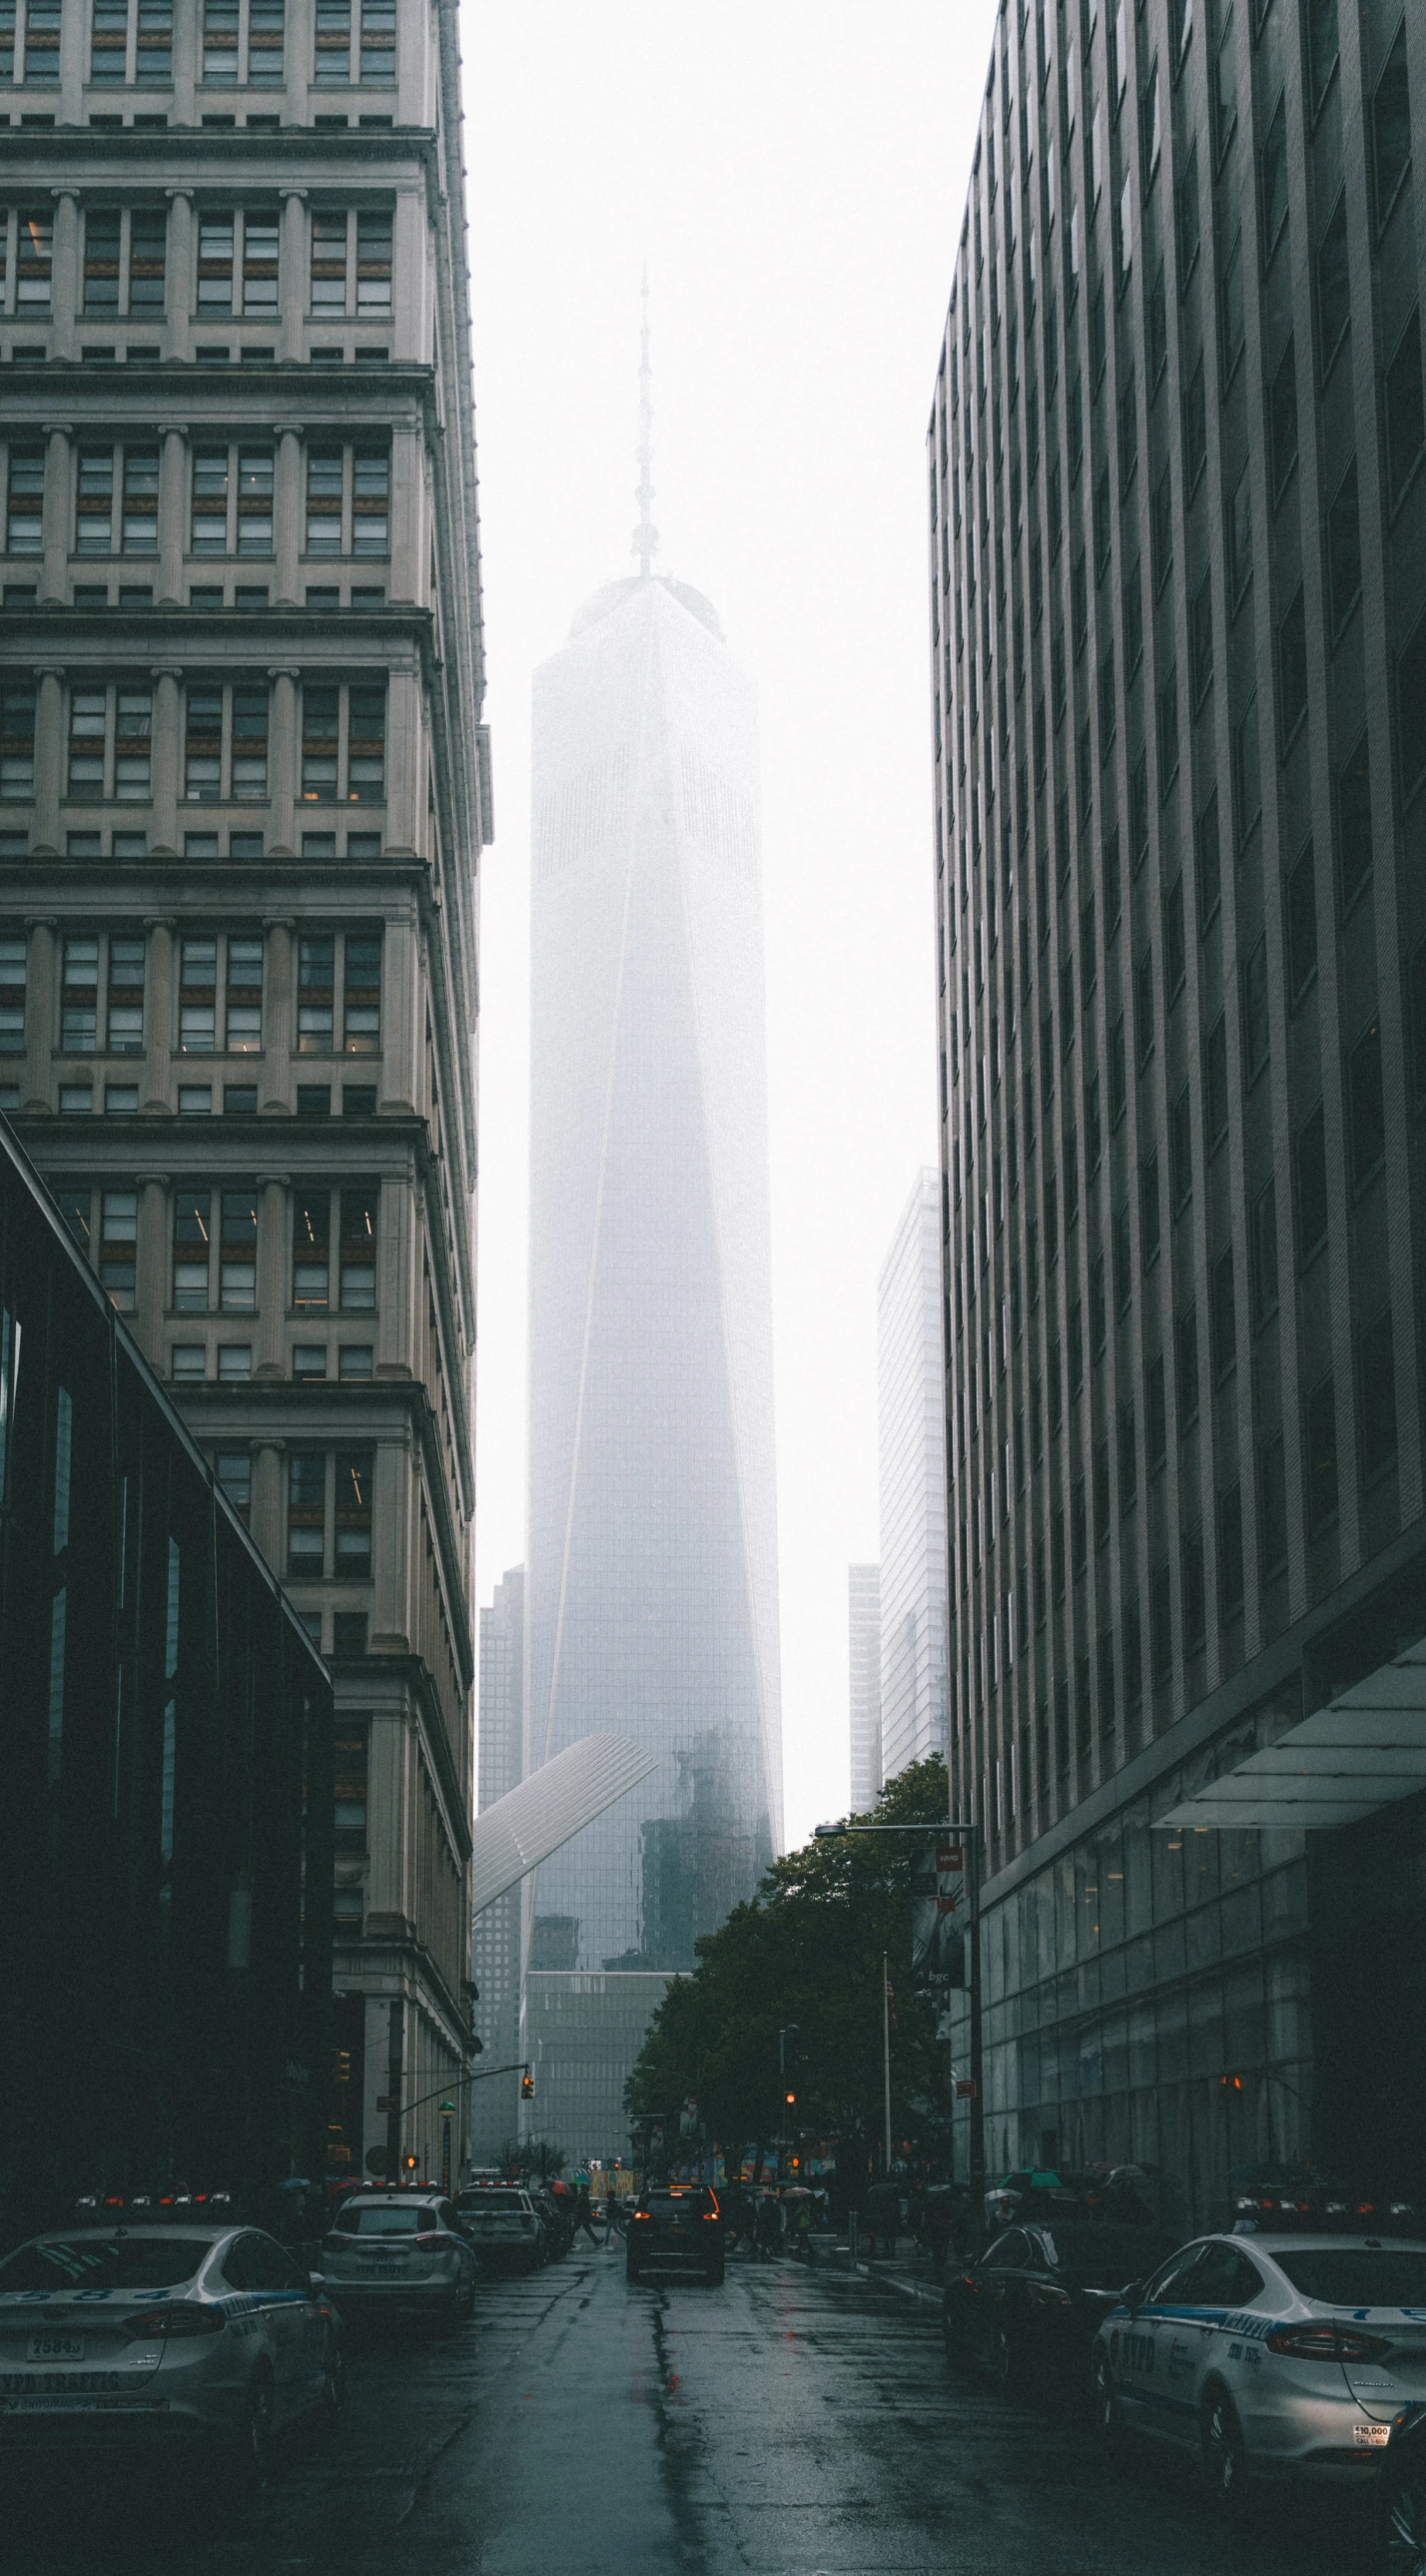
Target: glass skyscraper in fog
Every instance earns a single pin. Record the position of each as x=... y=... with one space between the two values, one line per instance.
x=652 y=1558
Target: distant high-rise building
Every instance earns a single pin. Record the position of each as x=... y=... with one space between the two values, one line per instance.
x=244 y=789
x=651 y=1568
x=864 y=1665
x=500 y=1754
x=911 y=1457
x=1178 y=584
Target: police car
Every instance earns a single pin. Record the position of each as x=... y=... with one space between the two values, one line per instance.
x=1270 y=2355
x=125 y=2336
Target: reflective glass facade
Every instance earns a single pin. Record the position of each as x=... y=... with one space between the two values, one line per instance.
x=911 y=1480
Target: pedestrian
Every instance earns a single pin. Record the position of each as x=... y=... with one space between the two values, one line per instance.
x=583 y=2214
x=767 y=2229
x=802 y=2225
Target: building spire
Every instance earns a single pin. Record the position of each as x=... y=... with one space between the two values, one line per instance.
x=646 y=535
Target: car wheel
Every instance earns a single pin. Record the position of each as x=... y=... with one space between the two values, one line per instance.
x=252 y=2443
x=1403 y=2523
x=1105 y=2415
x=1222 y=2437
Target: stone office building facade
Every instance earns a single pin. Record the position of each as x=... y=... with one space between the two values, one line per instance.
x=1178 y=577
x=243 y=795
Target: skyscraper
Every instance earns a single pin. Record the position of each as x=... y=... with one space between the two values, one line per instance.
x=495 y=1951
x=243 y=793
x=911 y=1457
x=864 y=1682
x=1178 y=587
x=652 y=1557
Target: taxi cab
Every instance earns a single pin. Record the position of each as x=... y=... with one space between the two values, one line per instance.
x=1269 y=2355
x=122 y=2337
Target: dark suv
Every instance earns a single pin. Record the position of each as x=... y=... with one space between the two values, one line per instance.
x=676 y=2227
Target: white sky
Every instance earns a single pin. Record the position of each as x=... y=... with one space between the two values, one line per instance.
x=794 y=173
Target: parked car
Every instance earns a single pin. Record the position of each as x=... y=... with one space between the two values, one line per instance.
x=555 y=2221
x=677 y=2227
x=1401 y=2496
x=1269 y=2355
x=500 y=2221
x=399 y=2253
x=123 y=2338
x=1029 y=2310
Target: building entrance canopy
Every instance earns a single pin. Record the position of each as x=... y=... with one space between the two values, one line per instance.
x=1363 y=1751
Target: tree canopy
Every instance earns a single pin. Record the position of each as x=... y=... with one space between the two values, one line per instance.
x=807 y=1952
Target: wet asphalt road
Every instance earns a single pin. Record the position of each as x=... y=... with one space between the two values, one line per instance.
x=793 y=2423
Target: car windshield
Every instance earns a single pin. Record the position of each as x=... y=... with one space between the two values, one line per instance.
x=1356 y=2276
x=1109 y=2256
x=102 y=2263
x=389 y=2218
x=476 y=2203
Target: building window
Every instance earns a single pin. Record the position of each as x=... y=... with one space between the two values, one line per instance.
x=1334 y=288
x=34 y=261
x=1320 y=1455
x=343 y=743
x=124 y=259
x=1247 y=776
x=79 y=997
x=40 y=54
x=1189 y=232
x=1255 y=1011
x=1200 y=639
x=353 y=1515
x=1410 y=712
x=1321 y=50
x=238 y=261
x=127 y=475
x=25 y=495
x=17 y=741
x=110 y=744
x=1376 y=1398
x=1366 y=1105
x=1391 y=129
x=118 y=1244
x=225 y=742
x=1161 y=529
x=1215 y=1086
x=242 y=45
x=1168 y=732
x=1160 y=1625
x=1195 y=431
x=1301 y=926
x=348 y=500
x=192 y=1247
x=1262 y=1255
x=351 y=263
x=361 y=993
x=234 y=1471
x=1240 y=538
x=1272 y=1507
x=1310 y=1175
x=1344 y=551
x=1405 y=412
x=1354 y=822
x=1223 y=1317
x=12 y=995
x=350 y=1782
x=125 y=1003
x=131 y=44
x=358 y=1248
x=1181 y=1149
x=1230 y=1553
x=1185 y=1354
x=373 y=39
x=232 y=499
x=307 y=1512
x=311 y=1250
x=1207 y=861
x=1149 y=1217
x=1273 y=170
x=1223 y=95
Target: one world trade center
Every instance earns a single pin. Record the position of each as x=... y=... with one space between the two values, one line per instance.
x=651 y=1571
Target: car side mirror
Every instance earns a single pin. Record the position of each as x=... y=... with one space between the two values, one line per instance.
x=316 y=2280
x=1133 y=2294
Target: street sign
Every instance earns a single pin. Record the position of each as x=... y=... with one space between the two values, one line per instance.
x=965 y=2090
x=386 y=2102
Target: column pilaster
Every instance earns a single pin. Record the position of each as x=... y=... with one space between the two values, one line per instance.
x=64 y=274
x=49 y=758
x=160 y=1024
x=172 y=513
x=405 y=746
x=284 y=761
x=39 y=1017
x=391 y=1509
x=287 y=513
x=410 y=556
x=151 y=1303
x=402 y=1069
x=165 y=759
x=395 y=1264
x=270 y=1360
x=292 y=289
x=182 y=283
x=265 y=1519
x=278 y=1022
x=54 y=576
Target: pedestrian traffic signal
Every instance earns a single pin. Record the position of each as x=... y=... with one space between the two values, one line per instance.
x=527 y=2086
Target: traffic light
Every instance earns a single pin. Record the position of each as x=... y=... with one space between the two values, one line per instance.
x=410 y=2163
x=789 y=2099
x=341 y=2066
x=527 y=2086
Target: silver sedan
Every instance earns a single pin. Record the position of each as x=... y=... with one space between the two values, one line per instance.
x=399 y=2253
x=1287 y=2356
x=123 y=2337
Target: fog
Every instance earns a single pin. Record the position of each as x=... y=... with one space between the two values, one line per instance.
x=794 y=178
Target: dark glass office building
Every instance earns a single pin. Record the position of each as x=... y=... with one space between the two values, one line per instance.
x=1178 y=611
x=166 y=1747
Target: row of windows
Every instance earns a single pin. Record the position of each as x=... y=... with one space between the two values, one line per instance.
x=116 y=498
x=214 y=1247
x=225 y=742
x=220 y=993
x=239 y=266
x=131 y=43
x=328 y=1512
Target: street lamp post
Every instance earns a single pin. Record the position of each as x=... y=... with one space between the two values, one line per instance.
x=792 y=2030
x=969 y=1834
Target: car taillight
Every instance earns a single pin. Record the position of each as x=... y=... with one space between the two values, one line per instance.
x=185 y=2317
x=710 y=2214
x=641 y=2214
x=1326 y=2343
x=428 y=2243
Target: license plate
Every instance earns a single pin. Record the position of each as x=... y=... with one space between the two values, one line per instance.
x=1371 y=2437
x=55 y=2348
x=380 y=2262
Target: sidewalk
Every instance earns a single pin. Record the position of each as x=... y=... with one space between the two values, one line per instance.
x=908 y=2270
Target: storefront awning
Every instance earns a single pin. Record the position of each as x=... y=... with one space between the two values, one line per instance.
x=1363 y=1751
